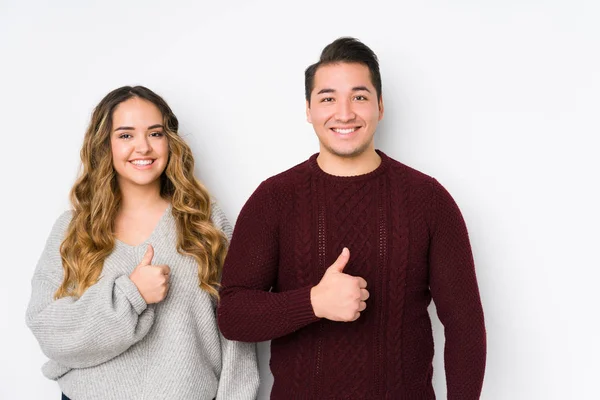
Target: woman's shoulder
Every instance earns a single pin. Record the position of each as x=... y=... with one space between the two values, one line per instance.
x=219 y=219
x=61 y=224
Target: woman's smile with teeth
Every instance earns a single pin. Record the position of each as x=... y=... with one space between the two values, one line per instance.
x=142 y=162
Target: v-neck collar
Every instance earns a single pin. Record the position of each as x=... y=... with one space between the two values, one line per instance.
x=157 y=229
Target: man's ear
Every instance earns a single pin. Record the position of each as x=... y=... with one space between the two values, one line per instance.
x=308 y=118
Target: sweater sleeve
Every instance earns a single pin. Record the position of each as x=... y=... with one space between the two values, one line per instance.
x=239 y=379
x=219 y=219
x=455 y=292
x=248 y=311
x=105 y=321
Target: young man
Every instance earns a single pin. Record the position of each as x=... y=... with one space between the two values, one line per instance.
x=337 y=259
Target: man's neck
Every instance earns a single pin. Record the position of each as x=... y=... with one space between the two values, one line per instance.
x=364 y=163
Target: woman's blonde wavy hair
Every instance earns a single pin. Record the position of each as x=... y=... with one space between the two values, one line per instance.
x=96 y=198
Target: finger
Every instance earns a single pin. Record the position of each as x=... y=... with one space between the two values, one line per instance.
x=341 y=261
x=164 y=269
x=147 y=259
x=364 y=294
x=361 y=306
x=356 y=316
x=361 y=282
x=159 y=273
x=163 y=279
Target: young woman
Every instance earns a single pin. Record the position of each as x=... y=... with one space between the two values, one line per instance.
x=124 y=295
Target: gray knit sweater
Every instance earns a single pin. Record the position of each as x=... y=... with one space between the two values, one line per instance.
x=109 y=344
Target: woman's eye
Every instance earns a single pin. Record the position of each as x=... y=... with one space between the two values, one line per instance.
x=125 y=136
x=157 y=134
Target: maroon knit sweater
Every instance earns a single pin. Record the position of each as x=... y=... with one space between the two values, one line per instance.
x=407 y=239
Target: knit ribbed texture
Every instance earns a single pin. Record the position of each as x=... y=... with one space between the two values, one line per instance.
x=407 y=239
x=109 y=344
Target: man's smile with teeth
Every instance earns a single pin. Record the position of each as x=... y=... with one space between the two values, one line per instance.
x=344 y=131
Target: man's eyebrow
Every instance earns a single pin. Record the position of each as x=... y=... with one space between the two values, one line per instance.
x=354 y=89
x=326 y=90
x=359 y=88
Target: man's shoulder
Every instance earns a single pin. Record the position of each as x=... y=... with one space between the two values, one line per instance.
x=409 y=175
x=419 y=186
x=290 y=177
x=278 y=189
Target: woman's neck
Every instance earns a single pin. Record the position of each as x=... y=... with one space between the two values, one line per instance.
x=135 y=198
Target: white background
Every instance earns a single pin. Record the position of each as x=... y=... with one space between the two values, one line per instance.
x=499 y=100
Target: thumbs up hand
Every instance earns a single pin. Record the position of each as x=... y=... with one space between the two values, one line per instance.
x=339 y=296
x=152 y=281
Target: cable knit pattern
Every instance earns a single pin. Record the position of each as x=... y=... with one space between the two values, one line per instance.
x=109 y=344
x=407 y=239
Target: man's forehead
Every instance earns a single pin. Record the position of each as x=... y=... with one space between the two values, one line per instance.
x=348 y=76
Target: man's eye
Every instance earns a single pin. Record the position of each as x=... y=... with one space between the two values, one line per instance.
x=360 y=98
x=327 y=100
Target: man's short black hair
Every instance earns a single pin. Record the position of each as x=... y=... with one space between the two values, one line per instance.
x=345 y=50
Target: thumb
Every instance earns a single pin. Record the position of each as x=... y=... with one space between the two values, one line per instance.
x=147 y=259
x=341 y=261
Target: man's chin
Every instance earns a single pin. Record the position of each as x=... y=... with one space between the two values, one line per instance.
x=348 y=153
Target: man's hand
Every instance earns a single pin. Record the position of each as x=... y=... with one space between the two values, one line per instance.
x=339 y=296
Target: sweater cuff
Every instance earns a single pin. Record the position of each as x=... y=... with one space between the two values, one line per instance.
x=300 y=307
x=132 y=293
